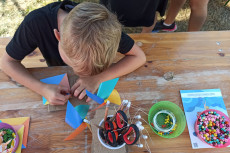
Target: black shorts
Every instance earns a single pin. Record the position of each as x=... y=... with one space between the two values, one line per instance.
x=133 y=13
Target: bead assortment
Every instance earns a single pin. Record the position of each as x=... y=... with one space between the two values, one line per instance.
x=167 y=126
x=212 y=127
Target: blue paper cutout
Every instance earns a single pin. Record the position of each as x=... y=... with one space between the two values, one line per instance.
x=23 y=147
x=0 y=121
x=44 y=100
x=106 y=88
x=94 y=97
x=72 y=116
x=82 y=110
x=52 y=80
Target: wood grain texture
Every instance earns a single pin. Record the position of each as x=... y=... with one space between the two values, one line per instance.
x=35 y=59
x=192 y=59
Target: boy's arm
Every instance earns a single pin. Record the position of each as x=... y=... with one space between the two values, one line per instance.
x=19 y=73
x=132 y=60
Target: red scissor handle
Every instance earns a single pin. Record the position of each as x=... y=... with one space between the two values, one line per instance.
x=112 y=137
x=110 y=125
x=121 y=119
x=131 y=136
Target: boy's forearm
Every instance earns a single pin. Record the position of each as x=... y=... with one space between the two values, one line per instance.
x=20 y=74
x=126 y=65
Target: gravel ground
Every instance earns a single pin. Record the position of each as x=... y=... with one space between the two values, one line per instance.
x=12 y=13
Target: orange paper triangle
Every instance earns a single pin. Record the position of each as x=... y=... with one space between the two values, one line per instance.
x=77 y=131
x=103 y=104
x=26 y=131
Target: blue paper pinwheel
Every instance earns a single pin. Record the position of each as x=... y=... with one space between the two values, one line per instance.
x=76 y=116
x=106 y=92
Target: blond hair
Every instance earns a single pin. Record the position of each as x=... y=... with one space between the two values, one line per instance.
x=90 y=37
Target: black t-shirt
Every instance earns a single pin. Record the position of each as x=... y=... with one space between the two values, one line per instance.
x=134 y=13
x=36 y=30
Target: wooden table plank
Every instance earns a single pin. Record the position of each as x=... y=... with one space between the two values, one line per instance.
x=192 y=58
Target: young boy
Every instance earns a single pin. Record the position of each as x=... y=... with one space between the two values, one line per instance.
x=85 y=36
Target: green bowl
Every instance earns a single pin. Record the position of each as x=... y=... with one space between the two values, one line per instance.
x=178 y=113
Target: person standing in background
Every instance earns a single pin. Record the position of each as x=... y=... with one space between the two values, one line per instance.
x=134 y=13
x=199 y=9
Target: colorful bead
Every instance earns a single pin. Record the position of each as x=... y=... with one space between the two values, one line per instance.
x=213 y=128
x=160 y=133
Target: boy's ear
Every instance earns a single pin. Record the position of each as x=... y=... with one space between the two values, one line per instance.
x=57 y=34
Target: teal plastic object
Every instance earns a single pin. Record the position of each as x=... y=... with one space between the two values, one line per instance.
x=178 y=113
x=82 y=110
x=106 y=88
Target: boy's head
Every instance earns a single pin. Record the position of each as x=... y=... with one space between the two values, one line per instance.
x=89 y=38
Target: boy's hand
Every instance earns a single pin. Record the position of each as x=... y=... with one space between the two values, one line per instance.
x=90 y=83
x=56 y=94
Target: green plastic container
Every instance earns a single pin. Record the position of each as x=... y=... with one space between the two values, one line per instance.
x=178 y=113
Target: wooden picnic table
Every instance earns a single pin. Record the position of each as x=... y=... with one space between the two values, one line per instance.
x=198 y=60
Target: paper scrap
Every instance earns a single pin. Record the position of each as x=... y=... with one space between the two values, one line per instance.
x=72 y=116
x=106 y=88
